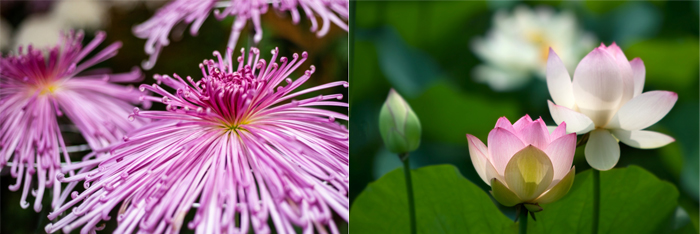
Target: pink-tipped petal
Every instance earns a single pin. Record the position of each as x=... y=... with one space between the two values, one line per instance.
x=503 y=144
x=638 y=73
x=625 y=72
x=522 y=122
x=479 y=156
x=561 y=152
x=543 y=128
x=575 y=122
x=642 y=139
x=559 y=81
x=602 y=150
x=559 y=131
x=598 y=86
x=535 y=133
x=504 y=123
x=643 y=110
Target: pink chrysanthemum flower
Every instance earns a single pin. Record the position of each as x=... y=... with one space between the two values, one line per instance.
x=157 y=29
x=40 y=86
x=234 y=145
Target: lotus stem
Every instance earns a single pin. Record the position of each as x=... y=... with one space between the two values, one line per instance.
x=523 y=220
x=596 y=200
x=409 y=191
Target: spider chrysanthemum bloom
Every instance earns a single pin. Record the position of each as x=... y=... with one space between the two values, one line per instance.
x=40 y=86
x=235 y=145
x=157 y=29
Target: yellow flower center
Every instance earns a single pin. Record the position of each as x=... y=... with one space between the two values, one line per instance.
x=234 y=126
x=537 y=38
x=48 y=89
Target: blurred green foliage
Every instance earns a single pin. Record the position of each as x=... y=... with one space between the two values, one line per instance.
x=664 y=34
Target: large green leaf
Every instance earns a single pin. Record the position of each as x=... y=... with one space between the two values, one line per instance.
x=446 y=202
x=632 y=201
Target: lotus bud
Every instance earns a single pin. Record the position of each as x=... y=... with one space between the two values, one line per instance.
x=399 y=125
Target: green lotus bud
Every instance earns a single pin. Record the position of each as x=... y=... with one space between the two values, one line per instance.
x=399 y=125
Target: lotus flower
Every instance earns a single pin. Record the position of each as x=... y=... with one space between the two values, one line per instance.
x=605 y=99
x=235 y=145
x=515 y=48
x=524 y=163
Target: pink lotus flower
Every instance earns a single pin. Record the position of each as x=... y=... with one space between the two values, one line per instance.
x=606 y=99
x=234 y=143
x=524 y=163
x=157 y=29
x=40 y=86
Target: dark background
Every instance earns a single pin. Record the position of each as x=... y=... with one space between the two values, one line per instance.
x=329 y=54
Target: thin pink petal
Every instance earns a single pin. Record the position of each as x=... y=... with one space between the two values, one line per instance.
x=503 y=144
x=536 y=134
x=522 y=122
x=504 y=123
x=558 y=132
x=561 y=153
x=638 y=72
x=598 y=86
x=625 y=72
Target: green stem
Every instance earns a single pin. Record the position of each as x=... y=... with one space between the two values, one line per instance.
x=409 y=191
x=596 y=200
x=523 y=220
x=583 y=140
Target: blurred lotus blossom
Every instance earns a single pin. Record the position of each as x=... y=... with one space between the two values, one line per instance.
x=516 y=47
x=524 y=163
x=157 y=29
x=42 y=30
x=605 y=98
x=37 y=87
x=5 y=34
x=236 y=144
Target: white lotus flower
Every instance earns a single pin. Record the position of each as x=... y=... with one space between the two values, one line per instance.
x=5 y=32
x=516 y=47
x=42 y=30
x=606 y=99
